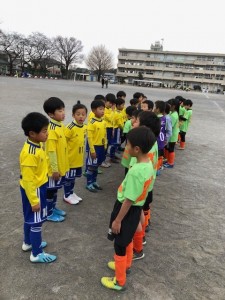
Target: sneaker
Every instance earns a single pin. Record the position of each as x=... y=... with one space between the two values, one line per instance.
x=90 y=188
x=111 y=266
x=110 y=283
x=42 y=258
x=59 y=212
x=85 y=174
x=104 y=165
x=168 y=166
x=138 y=255
x=113 y=160
x=147 y=228
x=158 y=172
x=99 y=171
x=26 y=247
x=71 y=200
x=97 y=186
x=108 y=163
x=144 y=241
x=180 y=148
x=55 y=218
x=76 y=197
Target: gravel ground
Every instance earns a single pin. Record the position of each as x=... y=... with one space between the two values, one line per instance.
x=184 y=255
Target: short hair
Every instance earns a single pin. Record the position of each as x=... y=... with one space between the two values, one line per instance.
x=176 y=103
x=160 y=105
x=119 y=101
x=97 y=103
x=34 y=121
x=188 y=102
x=134 y=101
x=180 y=99
x=120 y=94
x=150 y=120
x=110 y=97
x=141 y=137
x=130 y=109
x=149 y=103
x=137 y=95
x=167 y=108
x=79 y=106
x=136 y=113
x=52 y=104
x=99 y=97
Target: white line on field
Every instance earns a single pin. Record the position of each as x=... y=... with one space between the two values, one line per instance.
x=220 y=108
x=207 y=96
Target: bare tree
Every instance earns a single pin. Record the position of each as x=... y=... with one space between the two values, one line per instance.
x=68 y=50
x=12 y=45
x=99 y=60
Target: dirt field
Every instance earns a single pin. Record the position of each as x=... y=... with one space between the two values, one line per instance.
x=184 y=255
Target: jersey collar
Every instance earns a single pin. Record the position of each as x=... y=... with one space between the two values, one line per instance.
x=78 y=125
x=57 y=123
x=33 y=144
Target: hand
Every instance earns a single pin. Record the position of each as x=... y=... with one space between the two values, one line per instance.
x=36 y=207
x=93 y=155
x=116 y=227
x=56 y=176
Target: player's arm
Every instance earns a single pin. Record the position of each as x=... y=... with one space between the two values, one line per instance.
x=90 y=137
x=28 y=176
x=53 y=158
x=116 y=225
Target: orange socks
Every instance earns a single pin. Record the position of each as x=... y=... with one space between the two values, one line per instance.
x=182 y=145
x=171 y=158
x=137 y=240
x=129 y=253
x=120 y=269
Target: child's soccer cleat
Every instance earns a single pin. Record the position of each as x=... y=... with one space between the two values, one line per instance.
x=111 y=265
x=91 y=189
x=168 y=166
x=76 y=197
x=26 y=247
x=110 y=283
x=71 y=200
x=59 y=212
x=97 y=186
x=138 y=255
x=99 y=171
x=104 y=165
x=144 y=241
x=55 y=218
x=42 y=258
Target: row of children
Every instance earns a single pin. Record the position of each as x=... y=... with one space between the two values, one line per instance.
x=43 y=172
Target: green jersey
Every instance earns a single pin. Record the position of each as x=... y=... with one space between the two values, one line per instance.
x=127 y=126
x=135 y=185
x=175 y=126
x=181 y=110
x=185 y=124
x=126 y=158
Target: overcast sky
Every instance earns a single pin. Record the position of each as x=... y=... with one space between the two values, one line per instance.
x=193 y=25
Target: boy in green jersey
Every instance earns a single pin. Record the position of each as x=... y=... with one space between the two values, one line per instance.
x=127 y=209
x=186 y=118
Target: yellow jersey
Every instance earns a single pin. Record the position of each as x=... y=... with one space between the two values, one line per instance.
x=90 y=116
x=108 y=117
x=76 y=136
x=118 y=119
x=124 y=115
x=96 y=133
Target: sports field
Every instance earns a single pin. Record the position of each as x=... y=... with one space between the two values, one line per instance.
x=184 y=255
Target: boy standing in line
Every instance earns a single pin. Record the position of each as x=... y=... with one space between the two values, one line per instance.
x=57 y=153
x=126 y=213
x=185 y=119
x=33 y=179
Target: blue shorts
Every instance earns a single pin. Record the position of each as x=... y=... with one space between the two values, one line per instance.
x=116 y=138
x=53 y=184
x=109 y=132
x=100 y=153
x=40 y=216
x=73 y=173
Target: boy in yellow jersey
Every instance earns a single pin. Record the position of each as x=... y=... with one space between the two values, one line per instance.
x=75 y=133
x=122 y=95
x=118 y=123
x=33 y=179
x=127 y=209
x=57 y=154
x=97 y=144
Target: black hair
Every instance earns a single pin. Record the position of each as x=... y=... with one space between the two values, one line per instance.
x=136 y=112
x=188 y=102
x=119 y=101
x=79 y=106
x=176 y=103
x=99 y=97
x=120 y=94
x=137 y=95
x=149 y=103
x=134 y=101
x=130 y=110
x=110 y=97
x=52 y=104
x=167 y=108
x=141 y=137
x=150 y=120
x=160 y=105
x=97 y=103
x=180 y=99
x=34 y=121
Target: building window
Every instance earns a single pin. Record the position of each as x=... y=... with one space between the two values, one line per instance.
x=149 y=73
x=124 y=53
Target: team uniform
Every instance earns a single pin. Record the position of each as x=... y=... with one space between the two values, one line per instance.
x=97 y=143
x=161 y=139
x=108 y=118
x=76 y=136
x=184 y=126
x=57 y=153
x=33 y=179
x=118 y=123
x=134 y=188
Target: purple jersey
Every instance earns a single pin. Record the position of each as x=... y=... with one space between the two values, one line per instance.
x=162 y=136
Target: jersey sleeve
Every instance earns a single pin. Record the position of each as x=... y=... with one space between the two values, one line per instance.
x=90 y=135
